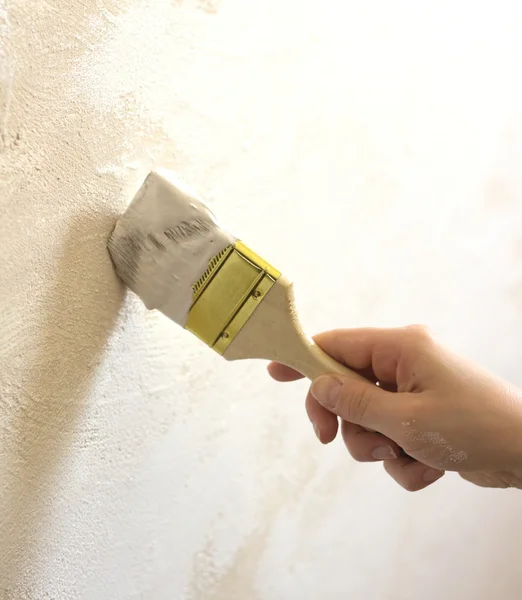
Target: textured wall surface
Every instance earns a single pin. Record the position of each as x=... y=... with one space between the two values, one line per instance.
x=372 y=151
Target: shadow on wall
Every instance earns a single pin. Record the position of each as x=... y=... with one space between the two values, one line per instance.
x=76 y=318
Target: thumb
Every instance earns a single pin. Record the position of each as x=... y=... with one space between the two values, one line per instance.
x=354 y=400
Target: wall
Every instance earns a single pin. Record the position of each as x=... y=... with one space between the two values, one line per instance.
x=372 y=150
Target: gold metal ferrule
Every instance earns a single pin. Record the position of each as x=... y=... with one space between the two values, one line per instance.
x=225 y=296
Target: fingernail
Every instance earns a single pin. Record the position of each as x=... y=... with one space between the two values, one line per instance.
x=383 y=453
x=317 y=432
x=432 y=475
x=325 y=390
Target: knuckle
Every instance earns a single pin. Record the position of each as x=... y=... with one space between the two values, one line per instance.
x=421 y=335
x=354 y=403
x=420 y=331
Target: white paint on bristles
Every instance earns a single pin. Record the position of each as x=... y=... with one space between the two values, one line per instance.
x=163 y=243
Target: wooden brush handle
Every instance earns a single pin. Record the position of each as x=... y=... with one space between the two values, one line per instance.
x=273 y=332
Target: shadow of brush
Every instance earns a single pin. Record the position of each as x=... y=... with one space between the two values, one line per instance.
x=74 y=323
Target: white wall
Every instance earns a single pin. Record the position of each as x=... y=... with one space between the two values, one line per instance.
x=371 y=150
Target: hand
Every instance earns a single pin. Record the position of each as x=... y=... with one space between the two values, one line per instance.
x=428 y=410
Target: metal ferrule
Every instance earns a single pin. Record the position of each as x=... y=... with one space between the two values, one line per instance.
x=227 y=294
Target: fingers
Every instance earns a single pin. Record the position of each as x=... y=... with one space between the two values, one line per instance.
x=324 y=422
x=363 y=350
x=373 y=349
x=375 y=353
x=283 y=373
x=365 y=446
x=388 y=387
x=359 y=402
x=411 y=474
x=356 y=348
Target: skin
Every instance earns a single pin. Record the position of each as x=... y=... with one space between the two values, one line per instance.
x=421 y=411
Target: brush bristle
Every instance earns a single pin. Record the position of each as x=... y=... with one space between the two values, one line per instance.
x=166 y=245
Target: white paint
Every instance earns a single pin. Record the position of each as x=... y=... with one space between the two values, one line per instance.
x=433 y=439
x=135 y=462
x=163 y=243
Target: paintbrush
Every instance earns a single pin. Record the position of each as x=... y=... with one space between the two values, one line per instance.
x=169 y=250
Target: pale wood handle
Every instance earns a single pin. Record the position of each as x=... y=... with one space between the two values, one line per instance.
x=273 y=332
x=312 y=361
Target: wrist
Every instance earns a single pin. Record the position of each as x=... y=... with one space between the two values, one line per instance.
x=494 y=479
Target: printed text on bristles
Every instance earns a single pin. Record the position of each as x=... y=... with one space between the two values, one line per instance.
x=188 y=229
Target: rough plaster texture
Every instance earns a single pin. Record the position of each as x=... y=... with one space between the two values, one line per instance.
x=372 y=150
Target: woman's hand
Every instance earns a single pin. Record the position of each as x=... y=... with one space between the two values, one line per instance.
x=433 y=410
